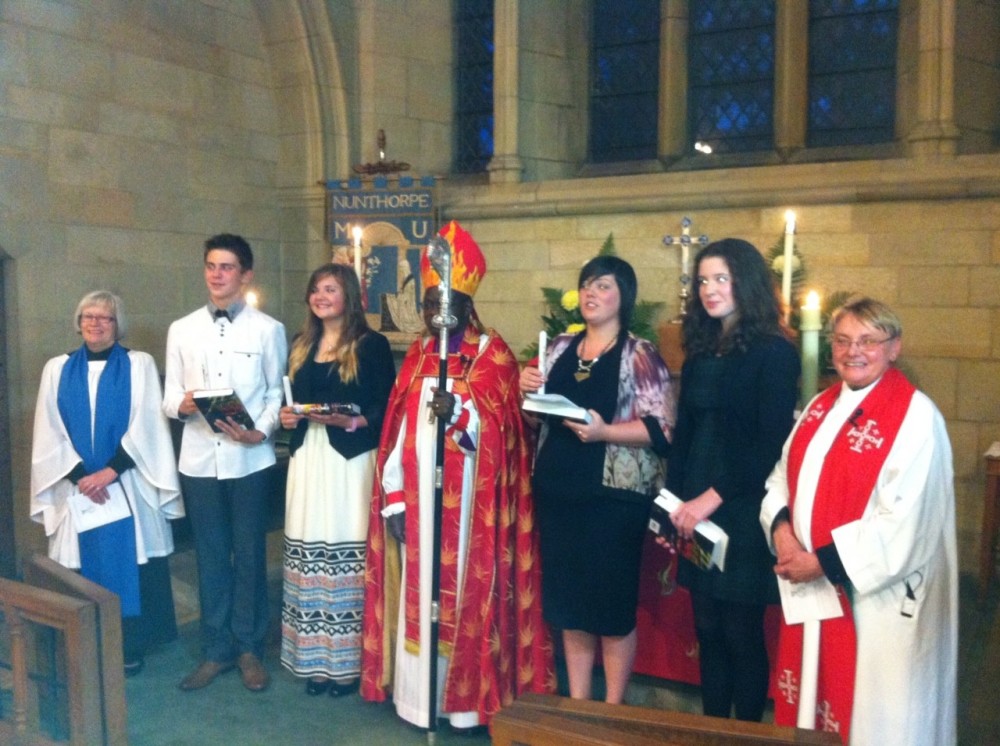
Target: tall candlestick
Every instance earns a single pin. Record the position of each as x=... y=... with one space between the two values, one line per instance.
x=357 y=250
x=810 y=325
x=786 y=270
x=543 y=343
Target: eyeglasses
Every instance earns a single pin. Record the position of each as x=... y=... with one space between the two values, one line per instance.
x=719 y=279
x=865 y=344
x=93 y=318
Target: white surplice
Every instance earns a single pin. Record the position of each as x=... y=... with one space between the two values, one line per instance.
x=152 y=486
x=905 y=685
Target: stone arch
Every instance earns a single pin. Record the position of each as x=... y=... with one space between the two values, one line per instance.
x=316 y=78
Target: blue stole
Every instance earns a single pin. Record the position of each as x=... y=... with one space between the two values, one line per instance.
x=107 y=553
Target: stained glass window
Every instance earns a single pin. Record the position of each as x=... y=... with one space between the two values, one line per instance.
x=624 y=80
x=731 y=74
x=852 y=71
x=473 y=85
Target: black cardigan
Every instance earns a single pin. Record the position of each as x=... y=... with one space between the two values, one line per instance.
x=370 y=390
x=758 y=393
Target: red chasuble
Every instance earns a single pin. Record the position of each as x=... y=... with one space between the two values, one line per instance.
x=499 y=647
x=847 y=479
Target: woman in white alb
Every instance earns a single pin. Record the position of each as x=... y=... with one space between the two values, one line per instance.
x=98 y=427
x=863 y=497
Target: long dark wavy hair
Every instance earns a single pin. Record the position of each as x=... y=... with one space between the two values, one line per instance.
x=758 y=308
x=355 y=324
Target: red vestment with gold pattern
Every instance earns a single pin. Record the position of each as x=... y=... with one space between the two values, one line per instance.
x=491 y=628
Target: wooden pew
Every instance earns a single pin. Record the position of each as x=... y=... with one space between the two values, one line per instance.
x=42 y=572
x=546 y=720
x=87 y=618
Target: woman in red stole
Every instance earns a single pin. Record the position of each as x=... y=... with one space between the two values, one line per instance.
x=860 y=513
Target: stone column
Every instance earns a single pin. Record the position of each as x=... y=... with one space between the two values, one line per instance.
x=506 y=165
x=791 y=76
x=935 y=132
x=672 y=138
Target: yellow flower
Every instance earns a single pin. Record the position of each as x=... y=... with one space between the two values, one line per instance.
x=778 y=264
x=570 y=300
x=575 y=328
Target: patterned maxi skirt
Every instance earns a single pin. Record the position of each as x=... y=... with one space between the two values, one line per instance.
x=326 y=523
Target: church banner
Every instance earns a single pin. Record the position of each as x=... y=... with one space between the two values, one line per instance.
x=380 y=226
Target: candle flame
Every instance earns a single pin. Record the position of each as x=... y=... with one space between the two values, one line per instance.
x=789 y=221
x=812 y=300
x=356 y=232
x=252 y=298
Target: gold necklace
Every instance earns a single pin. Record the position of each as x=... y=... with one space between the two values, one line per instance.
x=582 y=368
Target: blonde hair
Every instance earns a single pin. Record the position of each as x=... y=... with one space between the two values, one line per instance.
x=871 y=312
x=355 y=324
x=114 y=304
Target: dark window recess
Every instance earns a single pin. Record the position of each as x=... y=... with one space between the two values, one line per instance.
x=473 y=85
x=852 y=71
x=731 y=75
x=624 y=80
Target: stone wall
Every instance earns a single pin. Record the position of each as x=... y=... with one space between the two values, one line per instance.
x=129 y=132
x=924 y=237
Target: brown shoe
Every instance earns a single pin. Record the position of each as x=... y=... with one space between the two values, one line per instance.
x=205 y=674
x=255 y=676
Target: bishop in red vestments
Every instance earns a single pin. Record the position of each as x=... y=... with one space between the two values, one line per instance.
x=493 y=644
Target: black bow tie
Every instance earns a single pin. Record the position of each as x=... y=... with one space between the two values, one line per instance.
x=223 y=315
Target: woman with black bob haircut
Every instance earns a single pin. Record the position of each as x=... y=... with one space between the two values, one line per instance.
x=594 y=481
x=736 y=407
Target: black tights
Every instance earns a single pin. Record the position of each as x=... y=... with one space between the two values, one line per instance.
x=733 y=657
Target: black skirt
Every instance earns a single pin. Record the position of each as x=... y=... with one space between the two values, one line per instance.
x=591 y=550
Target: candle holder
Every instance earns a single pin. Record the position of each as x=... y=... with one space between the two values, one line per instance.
x=685 y=242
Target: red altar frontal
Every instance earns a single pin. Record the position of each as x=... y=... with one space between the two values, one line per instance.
x=667 y=646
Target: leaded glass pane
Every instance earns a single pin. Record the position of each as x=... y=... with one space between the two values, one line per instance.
x=625 y=77
x=473 y=85
x=731 y=74
x=852 y=71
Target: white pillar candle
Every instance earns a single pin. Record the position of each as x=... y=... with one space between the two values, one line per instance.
x=810 y=323
x=786 y=270
x=543 y=343
x=357 y=250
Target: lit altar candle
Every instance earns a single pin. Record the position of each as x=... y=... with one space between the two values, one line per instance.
x=543 y=343
x=357 y=250
x=786 y=269
x=810 y=324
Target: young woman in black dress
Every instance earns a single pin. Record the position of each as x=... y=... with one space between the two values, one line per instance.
x=738 y=393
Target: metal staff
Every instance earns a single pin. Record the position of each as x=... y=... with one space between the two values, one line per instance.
x=439 y=256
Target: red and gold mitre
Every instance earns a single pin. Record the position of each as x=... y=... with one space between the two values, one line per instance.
x=468 y=265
